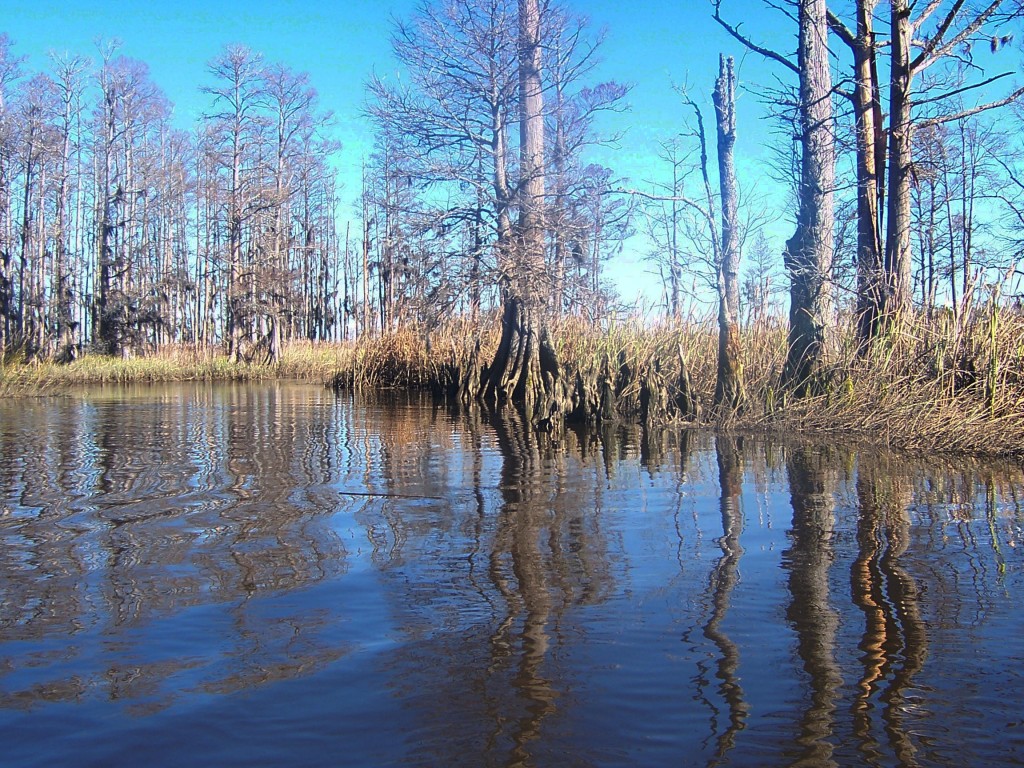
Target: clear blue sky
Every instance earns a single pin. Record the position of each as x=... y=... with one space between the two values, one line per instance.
x=649 y=44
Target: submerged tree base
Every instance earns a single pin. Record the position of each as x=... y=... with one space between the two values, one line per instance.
x=929 y=388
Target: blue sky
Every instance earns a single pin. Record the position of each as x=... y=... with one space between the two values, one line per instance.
x=650 y=44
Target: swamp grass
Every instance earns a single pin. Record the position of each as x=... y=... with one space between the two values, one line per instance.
x=932 y=385
x=300 y=360
x=926 y=386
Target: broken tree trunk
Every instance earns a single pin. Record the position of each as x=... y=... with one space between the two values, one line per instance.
x=729 y=382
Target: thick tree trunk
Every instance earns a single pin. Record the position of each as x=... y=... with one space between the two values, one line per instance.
x=729 y=383
x=809 y=252
x=896 y=296
x=525 y=370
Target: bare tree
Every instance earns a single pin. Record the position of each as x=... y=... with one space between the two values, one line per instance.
x=729 y=381
x=525 y=369
x=870 y=154
x=453 y=109
x=10 y=72
x=808 y=253
x=71 y=72
x=578 y=215
x=237 y=94
x=759 y=290
x=936 y=33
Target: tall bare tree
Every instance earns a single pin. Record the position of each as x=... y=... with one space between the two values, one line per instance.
x=453 y=109
x=237 y=94
x=808 y=254
x=871 y=154
x=525 y=369
x=10 y=72
x=71 y=72
x=935 y=34
x=729 y=382
x=912 y=53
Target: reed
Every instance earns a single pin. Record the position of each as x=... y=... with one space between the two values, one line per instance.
x=300 y=360
x=928 y=385
x=938 y=384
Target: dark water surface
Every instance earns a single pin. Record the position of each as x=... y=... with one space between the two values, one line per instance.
x=269 y=575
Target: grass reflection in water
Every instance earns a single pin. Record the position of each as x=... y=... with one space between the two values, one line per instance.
x=271 y=573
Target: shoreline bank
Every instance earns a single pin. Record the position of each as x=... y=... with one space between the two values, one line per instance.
x=955 y=393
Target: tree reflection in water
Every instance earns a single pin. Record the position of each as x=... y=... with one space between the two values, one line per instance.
x=525 y=525
x=809 y=560
x=395 y=583
x=721 y=583
x=146 y=514
x=528 y=523
x=895 y=643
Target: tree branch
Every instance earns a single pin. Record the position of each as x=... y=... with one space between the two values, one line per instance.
x=973 y=111
x=935 y=49
x=964 y=89
x=663 y=199
x=766 y=52
x=842 y=31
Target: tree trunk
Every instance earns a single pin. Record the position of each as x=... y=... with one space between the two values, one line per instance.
x=106 y=328
x=531 y=145
x=235 y=313
x=5 y=301
x=502 y=195
x=870 y=166
x=729 y=383
x=809 y=253
x=561 y=213
x=896 y=298
x=525 y=370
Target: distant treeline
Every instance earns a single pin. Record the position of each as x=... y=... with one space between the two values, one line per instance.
x=120 y=232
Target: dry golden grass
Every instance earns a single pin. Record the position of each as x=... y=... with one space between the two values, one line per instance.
x=927 y=386
x=300 y=360
x=924 y=387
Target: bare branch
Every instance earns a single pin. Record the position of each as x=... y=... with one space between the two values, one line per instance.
x=842 y=31
x=766 y=52
x=964 y=89
x=663 y=199
x=936 y=49
x=973 y=111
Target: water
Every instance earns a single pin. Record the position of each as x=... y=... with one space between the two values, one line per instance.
x=273 y=575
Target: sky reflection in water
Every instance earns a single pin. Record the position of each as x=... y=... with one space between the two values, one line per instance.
x=269 y=575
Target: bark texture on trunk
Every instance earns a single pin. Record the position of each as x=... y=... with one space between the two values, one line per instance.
x=525 y=369
x=531 y=146
x=809 y=253
x=871 y=153
x=5 y=300
x=729 y=382
x=896 y=287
